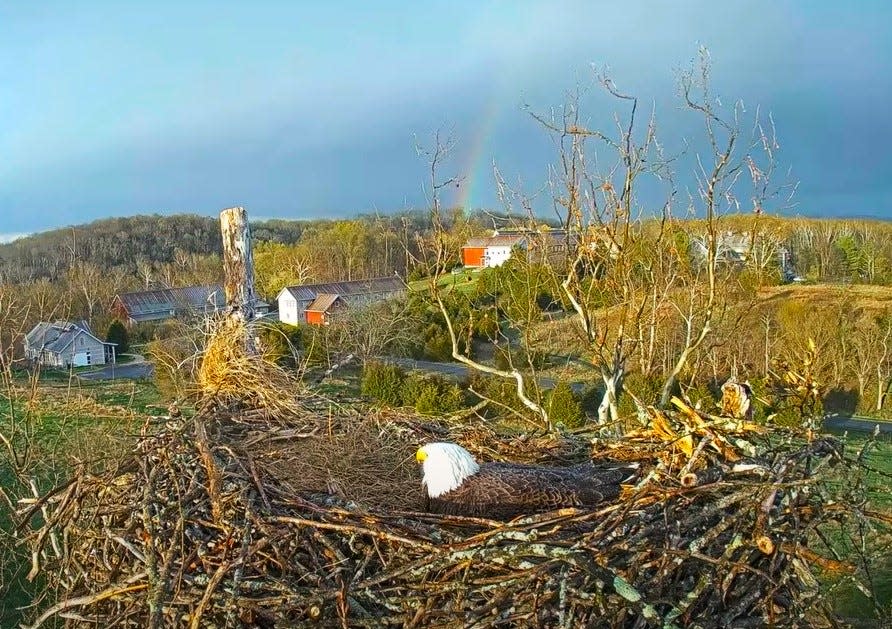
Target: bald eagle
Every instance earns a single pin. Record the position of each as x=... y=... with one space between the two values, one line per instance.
x=737 y=400
x=456 y=484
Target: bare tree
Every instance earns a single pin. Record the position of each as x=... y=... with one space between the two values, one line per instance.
x=871 y=356
x=721 y=172
x=16 y=432
x=632 y=274
x=89 y=282
x=438 y=253
x=368 y=330
x=612 y=275
x=145 y=270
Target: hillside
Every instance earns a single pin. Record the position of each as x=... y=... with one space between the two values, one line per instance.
x=849 y=325
x=126 y=241
x=858 y=297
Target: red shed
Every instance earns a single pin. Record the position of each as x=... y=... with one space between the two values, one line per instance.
x=322 y=306
x=472 y=257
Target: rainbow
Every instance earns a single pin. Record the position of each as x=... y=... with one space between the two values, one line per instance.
x=476 y=167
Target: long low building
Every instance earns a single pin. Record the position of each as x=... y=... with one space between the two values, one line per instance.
x=314 y=303
x=167 y=303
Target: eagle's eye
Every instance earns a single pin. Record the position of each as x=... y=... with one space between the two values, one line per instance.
x=421 y=455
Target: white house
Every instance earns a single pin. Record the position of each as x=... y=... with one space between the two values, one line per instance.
x=487 y=252
x=66 y=344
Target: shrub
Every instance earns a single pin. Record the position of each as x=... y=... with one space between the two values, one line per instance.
x=431 y=394
x=452 y=399
x=704 y=397
x=761 y=392
x=783 y=409
x=519 y=358
x=564 y=406
x=591 y=398
x=437 y=344
x=144 y=332
x=411 y=388
x=383 y=383
x=418 y=272
x=646 y=388
x=315 y=345
x=280 y=342
x=504 y=393
x=117 y=334
x=173 y=370
x=428 y=402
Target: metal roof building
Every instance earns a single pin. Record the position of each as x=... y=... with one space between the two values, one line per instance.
x=64 y=344
x=165 y=303
x=309 y=303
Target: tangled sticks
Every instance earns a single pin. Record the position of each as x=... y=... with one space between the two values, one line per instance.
x=192 y=531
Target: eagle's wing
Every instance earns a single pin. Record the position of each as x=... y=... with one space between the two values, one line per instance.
x=505 y=490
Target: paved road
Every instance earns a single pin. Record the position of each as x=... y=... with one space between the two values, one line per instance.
x=459 y=371
x=136 y=370
x=856 y=424
x=456 y=370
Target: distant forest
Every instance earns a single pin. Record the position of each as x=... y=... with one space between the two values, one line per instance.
x=142 y=247
x=124 y=243
x=135 y=245
x=75 y=273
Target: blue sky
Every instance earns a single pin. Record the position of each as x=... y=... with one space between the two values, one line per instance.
x=310 y=109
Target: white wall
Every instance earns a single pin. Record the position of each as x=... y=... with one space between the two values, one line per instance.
x=76 y=353
x=496 y=256
x=288 y=312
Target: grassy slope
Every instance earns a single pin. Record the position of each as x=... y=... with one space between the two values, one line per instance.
x=464 y=282
x=866 y=296
x=562 y=338
x=849 y=601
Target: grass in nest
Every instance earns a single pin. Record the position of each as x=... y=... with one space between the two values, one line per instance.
x=367 y=461
x=229 y=373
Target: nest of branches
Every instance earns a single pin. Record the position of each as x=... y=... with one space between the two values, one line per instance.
x=211 y=522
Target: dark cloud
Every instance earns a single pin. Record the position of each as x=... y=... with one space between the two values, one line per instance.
x=296 y=122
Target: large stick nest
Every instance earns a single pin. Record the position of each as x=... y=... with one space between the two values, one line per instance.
x=212 y=523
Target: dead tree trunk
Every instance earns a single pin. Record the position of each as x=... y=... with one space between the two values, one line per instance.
x=238 y=267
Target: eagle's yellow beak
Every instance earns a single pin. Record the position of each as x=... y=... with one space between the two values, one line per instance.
x=421 y=455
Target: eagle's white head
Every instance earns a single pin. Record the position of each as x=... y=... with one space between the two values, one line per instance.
x=446 y=466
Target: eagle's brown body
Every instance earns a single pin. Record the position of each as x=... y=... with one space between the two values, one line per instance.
x=508 y=490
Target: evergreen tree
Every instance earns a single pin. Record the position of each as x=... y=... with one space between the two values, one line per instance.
x=117 y=334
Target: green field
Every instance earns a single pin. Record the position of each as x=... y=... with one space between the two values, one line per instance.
x=850 y=602
x=463 y=282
